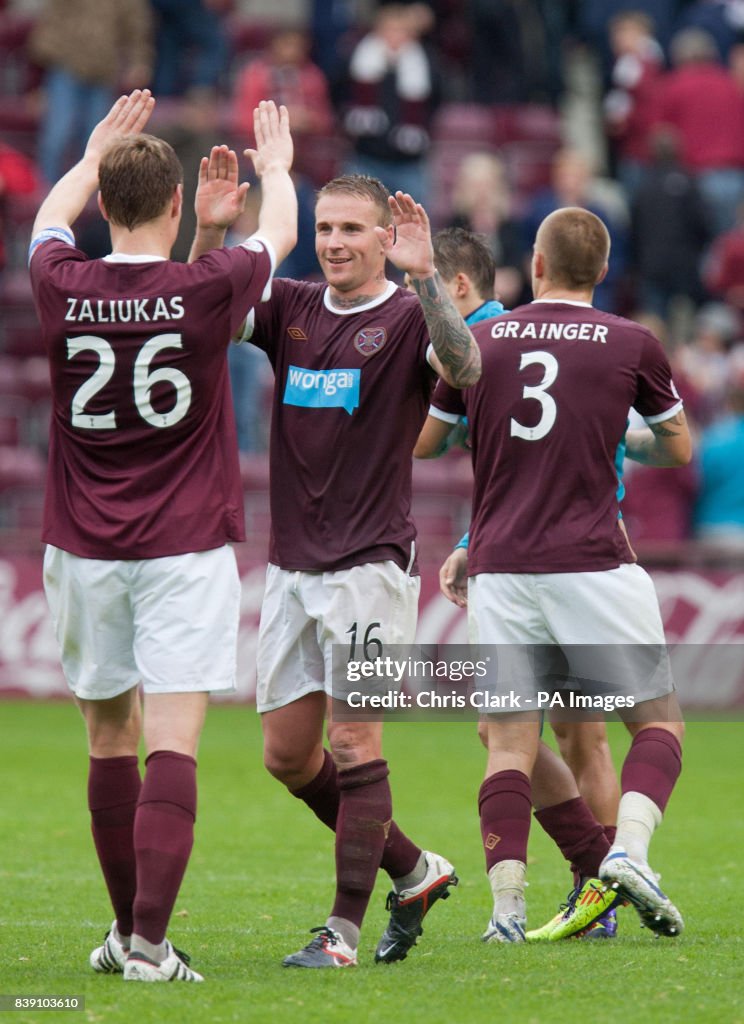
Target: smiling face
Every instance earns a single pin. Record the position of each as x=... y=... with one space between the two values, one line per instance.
x=348 y=249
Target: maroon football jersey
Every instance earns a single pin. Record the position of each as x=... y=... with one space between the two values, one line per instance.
x=546 y=418
x=351 y=394
x=143 y=458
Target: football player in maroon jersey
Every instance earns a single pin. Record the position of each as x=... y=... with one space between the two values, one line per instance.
x=467 y=269
x=548 y=561
x=143 y=490
x=355 y=359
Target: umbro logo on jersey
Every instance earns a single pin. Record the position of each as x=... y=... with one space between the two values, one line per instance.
x=296 y=334
x=370 y=340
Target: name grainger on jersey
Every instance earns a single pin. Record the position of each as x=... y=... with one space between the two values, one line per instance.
x=549 y=331
x=111 y=311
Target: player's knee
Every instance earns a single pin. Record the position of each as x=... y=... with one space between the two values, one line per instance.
x=109 y=738
x=351 y=747
x=582 y=745
x=483 y=734
x=284 y=763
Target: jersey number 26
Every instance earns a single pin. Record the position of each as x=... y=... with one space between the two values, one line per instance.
x=143 y=382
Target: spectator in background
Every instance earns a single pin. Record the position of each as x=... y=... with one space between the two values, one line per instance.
x=573 y=183
x=702 y=101
x=736 y=63
x=639 y=61
x=722 y=19
x=593 y=21
x=482 y=203
x=192 y=46
x=707 y=360
x=90 y=48
x=285 y=74
x=391 y=94
x=669 y=230
x=191 y=135
x=719 y=514
x=18 y=177
x=331 y=28
x=724 y=270
x=516 y=49
x=498 y=55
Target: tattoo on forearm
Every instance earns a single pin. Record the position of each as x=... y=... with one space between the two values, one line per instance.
x=663 y=429
x=453 y=343
x=642 y=444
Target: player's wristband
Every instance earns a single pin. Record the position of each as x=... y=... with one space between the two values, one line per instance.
x=463 y=542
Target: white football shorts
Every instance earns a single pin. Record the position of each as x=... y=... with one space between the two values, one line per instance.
x=170 y=623
x=305 y=614
x=607 y=624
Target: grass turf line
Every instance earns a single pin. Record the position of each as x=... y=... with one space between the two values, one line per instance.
x=261 y=875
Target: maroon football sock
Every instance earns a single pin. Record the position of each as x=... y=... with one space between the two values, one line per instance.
x=113 y=789
x=400 y=854
x=504 y=804
x=163 y=837
x=577 y=834
x=652 y=765
x=322 y=794
x=364 y=813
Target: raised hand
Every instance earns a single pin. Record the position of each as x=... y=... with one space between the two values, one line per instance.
x=128 y=116
x=219 y=200
x=410 y=250
x=274 y=147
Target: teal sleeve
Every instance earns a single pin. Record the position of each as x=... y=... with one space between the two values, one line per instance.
x=463 y=542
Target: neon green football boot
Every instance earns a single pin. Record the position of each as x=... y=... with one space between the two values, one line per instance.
x=590 y=902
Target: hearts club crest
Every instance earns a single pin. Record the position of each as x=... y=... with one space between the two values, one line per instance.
x=370 y=340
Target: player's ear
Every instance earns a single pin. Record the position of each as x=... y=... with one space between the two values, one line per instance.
x=462 y=285
x=177 y=201
x=602 y=274
x=538 y=264
x=101 y=207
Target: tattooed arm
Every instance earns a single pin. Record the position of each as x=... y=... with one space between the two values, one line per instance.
x=457 y=356
x=666 y=443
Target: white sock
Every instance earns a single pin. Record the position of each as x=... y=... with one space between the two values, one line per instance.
x=414 y=877
x=637 y=819
x=124 y=940
x=348 y=931
x=152 y=950
x=507 y=885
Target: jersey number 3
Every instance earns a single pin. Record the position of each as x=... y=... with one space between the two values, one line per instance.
x=143 y=382
x=540 y=393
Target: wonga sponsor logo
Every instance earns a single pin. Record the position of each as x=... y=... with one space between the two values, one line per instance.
x=323 y=389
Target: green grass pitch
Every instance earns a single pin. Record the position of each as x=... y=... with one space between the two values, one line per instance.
x=261 y=875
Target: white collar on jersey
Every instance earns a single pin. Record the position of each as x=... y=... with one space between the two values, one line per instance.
x=565 y=302
x=125 y=257
x=377 y=301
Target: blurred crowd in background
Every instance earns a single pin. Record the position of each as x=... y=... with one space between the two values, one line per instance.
x=492 y=113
